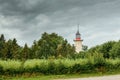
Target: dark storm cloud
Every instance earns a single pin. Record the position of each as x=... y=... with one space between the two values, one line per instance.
x=26 y=7
x=29 y=18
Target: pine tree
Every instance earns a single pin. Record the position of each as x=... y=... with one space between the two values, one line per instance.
x=25 y=52
x=34 y=51
x=2 y=46
x=8 y=49
x=15 y=49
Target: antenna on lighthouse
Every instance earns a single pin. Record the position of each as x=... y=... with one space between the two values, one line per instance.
x=78 y=27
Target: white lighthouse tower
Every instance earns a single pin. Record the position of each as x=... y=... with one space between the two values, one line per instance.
x=78 y=42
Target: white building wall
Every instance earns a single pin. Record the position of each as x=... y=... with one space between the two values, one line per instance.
x=78 y=46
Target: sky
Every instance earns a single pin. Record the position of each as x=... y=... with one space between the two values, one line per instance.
x=27 y=20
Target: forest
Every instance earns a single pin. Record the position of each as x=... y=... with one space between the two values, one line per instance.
x=52 y=54
x=50 y=45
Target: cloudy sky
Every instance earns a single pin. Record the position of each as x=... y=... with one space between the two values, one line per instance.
x=26 y=20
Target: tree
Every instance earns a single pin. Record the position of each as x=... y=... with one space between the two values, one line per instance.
x=15 y=49
x=45 y=49
x=65 y=49
x=85 y=48
x=34 y=50
x=25 y=52
x=48 y=44
x=8 y=49
x=105 y=48
x=115 y=51
x=51 y=45
x=2 y=45
x=93 y=49
x=11 y=49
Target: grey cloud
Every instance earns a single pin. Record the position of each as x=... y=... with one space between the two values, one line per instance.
x=30 y=18
x=25 y=7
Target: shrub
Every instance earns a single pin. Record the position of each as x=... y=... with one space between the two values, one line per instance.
x=94 y=63
x=1 y=69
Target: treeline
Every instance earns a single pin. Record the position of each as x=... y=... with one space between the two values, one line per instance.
x=110 y=49
x=107 y=50
x=48 y=46
x=54 y=46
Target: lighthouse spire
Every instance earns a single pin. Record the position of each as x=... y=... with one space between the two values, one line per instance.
x=78 y=34
x=78 y=28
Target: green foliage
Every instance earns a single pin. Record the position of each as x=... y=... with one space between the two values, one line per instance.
x=94 y=49
x=99 y=60
x=50 y=45
x=85 y=48
x=25 y=53
x=54 y=46
x=79 y=55
x=15 y=49
x=105 y=48
x=1 y=70
x=109 y=49
x=52 y=54
x=9 y=49
x=65 y=49
x=115 y=51
x=59 y=66
x=2 y=46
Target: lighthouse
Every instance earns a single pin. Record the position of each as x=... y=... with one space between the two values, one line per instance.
x=78 y=41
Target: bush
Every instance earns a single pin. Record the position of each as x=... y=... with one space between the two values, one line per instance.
x=94 y=63
x=61 y=68
x=112 y=64
x=1 y=69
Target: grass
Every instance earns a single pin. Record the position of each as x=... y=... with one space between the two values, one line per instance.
x=54 y=77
